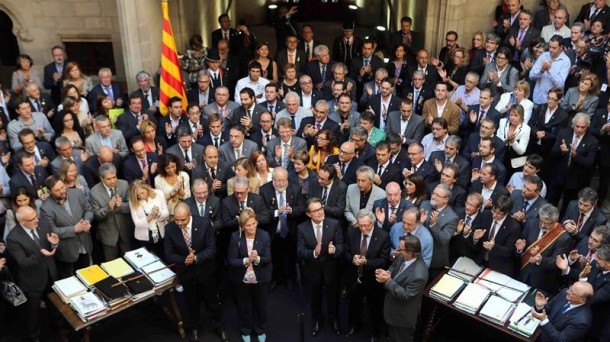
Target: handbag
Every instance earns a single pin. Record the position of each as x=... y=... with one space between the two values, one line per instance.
x=11 y=292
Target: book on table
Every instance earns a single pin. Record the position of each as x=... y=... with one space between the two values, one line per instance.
x=502 y=285
x=472 y=298
x=446 y=288
x=497 y=309
x=465 y=268
x=159 y=273
x=88 y=306
x=139 y=286
x=117 y=268
x=140 y=257
x=113 y=292
x=522 y=321
x=69 y=287
x=91 y=275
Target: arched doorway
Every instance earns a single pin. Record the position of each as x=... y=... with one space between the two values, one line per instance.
x=9 y=50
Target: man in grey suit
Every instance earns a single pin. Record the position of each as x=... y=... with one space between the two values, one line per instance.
x=110 y=205
x=221 y=106
x=280 y=149
x=69 y=215
x=409 y=126
x=64 y=149
x=238 y=146
x=527 y=201
x=345 y=116
x=361 y=195
x=189 y=154
x=106 y=136
x=404 y=283
x=443 y=222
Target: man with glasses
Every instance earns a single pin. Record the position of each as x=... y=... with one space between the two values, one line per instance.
x=372 y=87
x=365 y=152
x=293 y=111
x=311 y=126
x=331 y=191
x=203 y=93
x=346 y=163
x=442 y=222
x=410 y=224
x=388 y=211
x=291 y=55
x=308 y=95
x=319 y=248
x=538 y=247
x=528 y=200
x=482 y=57
x=221 y=106
x=281 y=149
x=418 y=164
x=450 y=154
x=345 y=115
x=451 y=43
x=194 y=124
x=461 y=243
x=320 y=70
x=64 y=149
x=500 y=76
x=140 y=164
x=417 y=91
x=467 y=94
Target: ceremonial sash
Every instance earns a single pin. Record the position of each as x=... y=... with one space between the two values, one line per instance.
x=542 y=243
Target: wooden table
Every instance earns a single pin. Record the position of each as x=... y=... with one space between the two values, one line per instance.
x=449 y=305
x=77 y=323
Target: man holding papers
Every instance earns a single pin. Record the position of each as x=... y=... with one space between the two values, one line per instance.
x=567 y=317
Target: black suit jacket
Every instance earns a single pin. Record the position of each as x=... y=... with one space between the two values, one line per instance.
x=132 y=169
x=350 y=172
x=468 y=127
x=386 y=226
x=154 y=94
x=230 y=210
x=476 y=163
x=431 y=75
x=501 y=257
x=342 y=54
x=375 y=103
x=310 y=120
x=596 y=218
x=55 y=86
x=193 y=95
x=569 y=326
x=212 y=210
x=117 y=93
x=426 y=170
x=532 y=34
x=233 y=39
x=238 y=250
x=335 y=203
x=425 y=93
x=391 y=173
x=258 y=138
x=325 y=266
x=240 y=112
x=127 y=124
x=223 y=172
x=357 y=64
x=472 y=145
x=206 y=139
x=294 y=198
x=377 y=255
x=579 y=172
x=91 y=168
x=367 y=154
x=558 y=121
x=585 y=10
x=499 y=30
x=417 y=43
x=19 y=179
x=463 y=166
x=171 y=140
x=461 y=245
x=600 y=118
x=313 y=70
x=277 y=107
x=202 y=242
x=300 y=61
x=477 y=62
x=315 y=96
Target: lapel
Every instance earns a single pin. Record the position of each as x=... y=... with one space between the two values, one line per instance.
x=372 y=242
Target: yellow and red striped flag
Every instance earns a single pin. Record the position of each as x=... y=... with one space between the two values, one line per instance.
x=171 y=76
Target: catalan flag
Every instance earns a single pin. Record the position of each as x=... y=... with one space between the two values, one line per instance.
x=171 y=76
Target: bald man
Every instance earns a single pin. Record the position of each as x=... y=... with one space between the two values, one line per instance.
x=90 y=168
x=388 y=210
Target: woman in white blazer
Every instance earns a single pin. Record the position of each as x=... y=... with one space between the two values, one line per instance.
x=516 y=135
x=150 y=214
x=519 y=96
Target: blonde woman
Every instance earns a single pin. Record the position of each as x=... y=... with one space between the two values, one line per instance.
x=516 y=135
x=519 y=96
x=150 y=214
x=68 y=173
x=75 y=77
x=243 y=168
x=173 y=183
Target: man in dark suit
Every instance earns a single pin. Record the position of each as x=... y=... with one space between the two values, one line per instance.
x=319 y=249
x=388 y=211
x=449 y=176
x=520 y=36
x=366 y=249
x=363 y=68
x=567 y=317
x=347 y=47
x=225 y=32
x=451 y=42
x=346 y=163
x=308 y=94
x=385 y=171
x=487 y=129
x=582 y=215
x=188 y=153
x=439 y=159
x=249 y=113
x=91 y=166
x=203 y=93
x=64 y=149
x=287 y=203
x=129 y=122
x=219 y=75
x=417 y=90
x=411 y=39
x=485 y=181
x=573 y=157
x=148 y=93
x=29 y=175
x=31 y=246
x=384 y=103
x=461 y=242
x=238 y=146
x=482 y=57
x=596 y=10
x=291 y=55
x=417 y=164
x=169 y=123
x=311 y=125
x=496 y=236
x=477 y=113
x=320 y=69
x=214 y=171
x=204 y=205
x=41 y=150
x=272 y=99
x=538 y=247
x=364 y=151
x=213 y=132
x=140 y=164
x=54 y=73
x=242 y=198
x=399 y=154
x=509 y=20
x=111 y=89
x=39 y=102
x=331 y=191
x=527 y=202
x=427 y=70
x=486 y=156
x=404 y=283
x=307 y=43
x=189 y=244
x=263 y=136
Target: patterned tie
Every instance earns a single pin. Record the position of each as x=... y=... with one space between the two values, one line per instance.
x=319 y=233
x=187 y=237
x=285 y=155
x=575 y=145
x=325 y=195
x=363 y=244
x=323 y=73
x=581 y=221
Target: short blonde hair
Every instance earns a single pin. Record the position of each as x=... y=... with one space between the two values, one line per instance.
x=524 y=86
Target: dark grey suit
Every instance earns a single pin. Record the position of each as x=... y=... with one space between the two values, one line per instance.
x=196 y=153
x=414 y=132
x=442 y=232
x=227 y=153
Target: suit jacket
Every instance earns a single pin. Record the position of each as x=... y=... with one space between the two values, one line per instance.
x=277 y=107
x=546 y=276
x=597 y=122
x=313 y=70
x=301 y=47
x=335 y=203
x=91 y=168
x=117 y=93
x=569 y=326
x=55 y=86
x=132 y=169
x=310 y=120
x=499 y=190
x=34 y=270
x=442 y=232
x=477 y=62
x=325 y=266
x=353 y=118
x=294 y=198
x=76 y=156
x=469 y=128
x=62 y=224
x=93 y=143
x=426 y=170
x=193 y=95
x=230 y=209
x=297 y=144
x=227 y=153
x=19 y=179
x=532 y=34
x=559 y=120
x=238 y=250
x=458 y=196
x=112 y=224
x=206 y=139
x=128 y=124
x=431 y=76
x=202 y=242
x=240 y=112
x=463 y=166
x=414 y=132
x=461 y=245
x=234 y=43
x=596 y=218
x=451 y=114
x=579 y=172
x=383 y=204
x=258 y=137
x=356 y=65
x=404 y=293
x=571 y=98
x=46 y=104
x=391 y=173
x=342 y=54
x=499 y=30
x=316 y=95
x=350 y=171
x=509 y=78
x=477 y=162
x=196 y=153
x=531 y=214
x=352 y=200
x=375 y=103
x=300 y=61
x=417 y=43
x=603 y=14
x=212 y=210
x=377 y=255
x=501 y=257
x=169 y=140
x=154 y=92
x=223 y=172
x=404 y=78
x=472 y=145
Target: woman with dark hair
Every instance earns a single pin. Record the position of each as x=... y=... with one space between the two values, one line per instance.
x=194 y=60
x=301 y=174
x=20 y=197
x=85 y=119
x=261 y=165
x=67 y=125
x=397 y=68
x=249 y=257
x=268 y=65
x=326 y=145
x=415 y=189
x=173 y=183
x=290 y=82
x=103 y=105
x=24 y=74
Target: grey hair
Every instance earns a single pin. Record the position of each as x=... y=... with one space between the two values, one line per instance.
x=454 y=140
x=370 y=174
x=445 y=188
x=583 y=116
x=549 y=212
x=320 y=49
x=142 y=75
x=366 y=213
x=239 y=180
x=340 y=65
x=199 y=181
x=182 y=132
x=581 y=26
x=494 y=37
x=419 y=73
x=603 y=253
x=107 y=168
x=474 y=74
x=101 y=118
x=61 y=141
x=292 y=95
x=360 y=131
x=382 y=72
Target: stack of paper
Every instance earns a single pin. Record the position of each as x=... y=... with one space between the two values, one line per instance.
x=497 y=310
x=446 y=288
x=91 y=275
x=140 y=257
x=68 y=288
x=513 y=291
x=472 y=298
x=139 y=286
x=112 y=291
x=465 y=268
x=503 y=285
x=522 y=321
x=88 y=306
x=158 y=273
x=117 y=268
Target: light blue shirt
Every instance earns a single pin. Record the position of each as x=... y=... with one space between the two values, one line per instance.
x=554 y=77
x=422 y=233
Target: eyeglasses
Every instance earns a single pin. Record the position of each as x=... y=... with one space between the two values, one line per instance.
x=316 y=210
x=551 y=98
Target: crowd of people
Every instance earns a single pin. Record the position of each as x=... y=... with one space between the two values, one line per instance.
x=370 y=177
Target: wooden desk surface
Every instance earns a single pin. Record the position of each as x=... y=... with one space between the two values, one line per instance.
x=502 y=328
x=77 y=324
